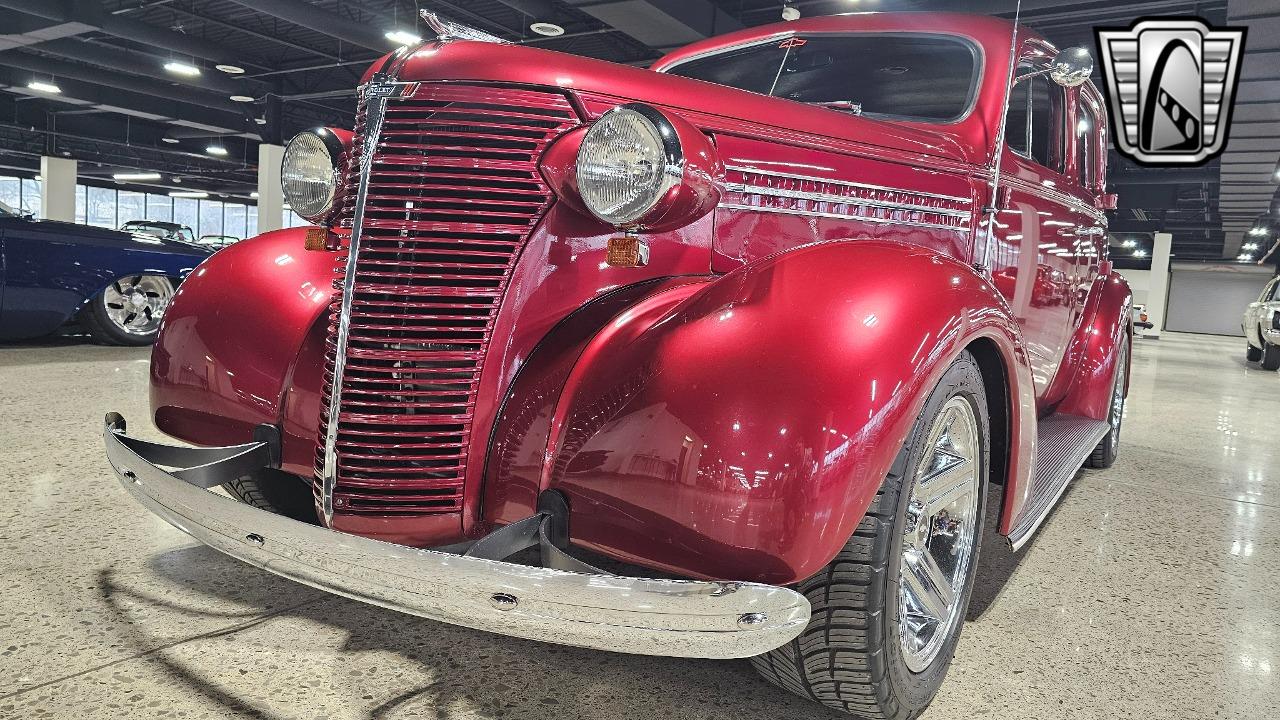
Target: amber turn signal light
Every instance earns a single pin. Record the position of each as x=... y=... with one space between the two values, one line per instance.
x=627 y=251
x=318 y=238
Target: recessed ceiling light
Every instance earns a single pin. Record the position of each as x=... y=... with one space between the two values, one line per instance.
x=44 y=87
x=403 y=37
x=241 y=98
x=230 y=69
x=39 y=177
x=171 y=141
x=189 y=194
x=181 y=68
x=216 y=150
x=137 y=176
x=260 y=121
x=1139 y=253
x=253 y=194
x=176 y=179
x=548 y=29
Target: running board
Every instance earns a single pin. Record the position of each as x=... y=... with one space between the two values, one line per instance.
x=1063 y=443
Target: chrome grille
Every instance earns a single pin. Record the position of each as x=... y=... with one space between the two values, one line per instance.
x=453 y=192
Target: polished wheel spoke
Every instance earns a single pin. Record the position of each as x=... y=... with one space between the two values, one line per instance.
x=137 y=304
x=939 y=533
x=927 y=585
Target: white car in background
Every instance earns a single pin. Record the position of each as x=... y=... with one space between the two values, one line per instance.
x=1262 y=327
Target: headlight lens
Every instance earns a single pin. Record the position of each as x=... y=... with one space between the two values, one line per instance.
x=625 y=164
x=309 y=175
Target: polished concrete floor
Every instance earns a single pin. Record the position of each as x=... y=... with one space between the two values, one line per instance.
x=1152 y=592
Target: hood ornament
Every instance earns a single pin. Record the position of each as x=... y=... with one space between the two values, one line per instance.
x=449 y=30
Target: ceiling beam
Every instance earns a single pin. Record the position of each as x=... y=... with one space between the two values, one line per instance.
x=47 y=66
x=661 y=23
x=322 y=21
x=91 y=13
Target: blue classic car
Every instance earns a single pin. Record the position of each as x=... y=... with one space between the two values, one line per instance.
x=117 y=284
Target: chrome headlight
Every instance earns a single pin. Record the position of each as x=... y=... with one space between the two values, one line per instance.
x=628 y=160
x=309 y=173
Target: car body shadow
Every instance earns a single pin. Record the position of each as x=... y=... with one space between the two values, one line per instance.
x=488 y=675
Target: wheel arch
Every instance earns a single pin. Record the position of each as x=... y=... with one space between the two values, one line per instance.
x=742 y=431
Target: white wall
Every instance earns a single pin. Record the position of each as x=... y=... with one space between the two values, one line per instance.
x=1139 y=282
x=1211 y=298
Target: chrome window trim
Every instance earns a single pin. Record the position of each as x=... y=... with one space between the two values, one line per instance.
x=846 y=183
x=838 y=216
x=375 y=99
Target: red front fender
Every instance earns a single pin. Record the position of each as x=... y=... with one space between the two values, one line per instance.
x=740 y=428
x=225 y=357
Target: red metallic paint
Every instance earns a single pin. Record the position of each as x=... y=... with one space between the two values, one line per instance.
x=656 y=397
x=231 y=337
x=740 y=428
x=1094 y=353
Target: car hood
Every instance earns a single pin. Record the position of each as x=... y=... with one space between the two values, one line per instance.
x=707 y=104
x=149 y=242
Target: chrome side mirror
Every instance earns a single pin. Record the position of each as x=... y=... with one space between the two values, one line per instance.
x=1072 y=67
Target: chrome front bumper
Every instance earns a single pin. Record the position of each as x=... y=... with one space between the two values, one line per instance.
x=679 y=618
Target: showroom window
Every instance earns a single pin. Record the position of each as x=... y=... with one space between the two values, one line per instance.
x=210 y=218
x=131 y=206
x=102 y=207
x=110 y=208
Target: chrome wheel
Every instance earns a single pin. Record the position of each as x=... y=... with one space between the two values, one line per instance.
x=135 y=305
x=940 y=534
x=1117 y=397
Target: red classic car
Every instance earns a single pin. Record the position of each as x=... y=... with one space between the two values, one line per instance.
x=760 y=331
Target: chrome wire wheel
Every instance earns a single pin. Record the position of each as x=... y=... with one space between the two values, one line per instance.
x=136 y=304
x=939 y=534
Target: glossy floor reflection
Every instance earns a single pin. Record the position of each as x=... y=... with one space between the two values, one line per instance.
x=1150 y=593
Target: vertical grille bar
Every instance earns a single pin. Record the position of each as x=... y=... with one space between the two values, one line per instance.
x=448 y=191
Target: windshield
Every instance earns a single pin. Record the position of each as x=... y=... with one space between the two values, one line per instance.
x=918 y=77
x=186 y=234
x=6 y=210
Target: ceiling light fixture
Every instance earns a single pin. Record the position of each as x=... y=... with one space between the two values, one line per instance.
x=181 y=68
x=253 y=194
x=402 y=37
x=171 y=141
x=547 y=29
x=189 y=194
x=1139 y=253
x=230 y=69
x=137 y=176
x=790 y=12
x=1257 y=230
x=216 y=150
x=241 y=98
x=44 y=87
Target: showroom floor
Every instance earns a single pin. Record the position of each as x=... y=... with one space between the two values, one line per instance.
x=1150 y=593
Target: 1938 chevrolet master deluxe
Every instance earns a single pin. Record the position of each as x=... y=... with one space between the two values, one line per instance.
x=762 y=329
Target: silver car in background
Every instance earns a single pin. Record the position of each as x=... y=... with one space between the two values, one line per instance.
x=1262 y=327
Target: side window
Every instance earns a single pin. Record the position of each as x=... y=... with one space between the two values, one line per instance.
x=1017 y=129
x=1033 y=126
x=1046 y=127
x=1087 y=145
x=1275 y=290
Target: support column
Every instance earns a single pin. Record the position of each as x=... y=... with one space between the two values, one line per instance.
x=270 y=197
x=1158 y=296
x=58 y=189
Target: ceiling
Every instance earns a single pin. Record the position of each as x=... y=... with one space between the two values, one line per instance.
x=120 y=109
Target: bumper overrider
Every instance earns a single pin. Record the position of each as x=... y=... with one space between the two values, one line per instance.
x=570 y=603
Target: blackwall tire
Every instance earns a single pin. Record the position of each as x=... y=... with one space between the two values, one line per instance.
x=1251 y=353
x=277 y=492
x=112 y=319
x=1108 y=449
x=856 y=654
x=1270 y=356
